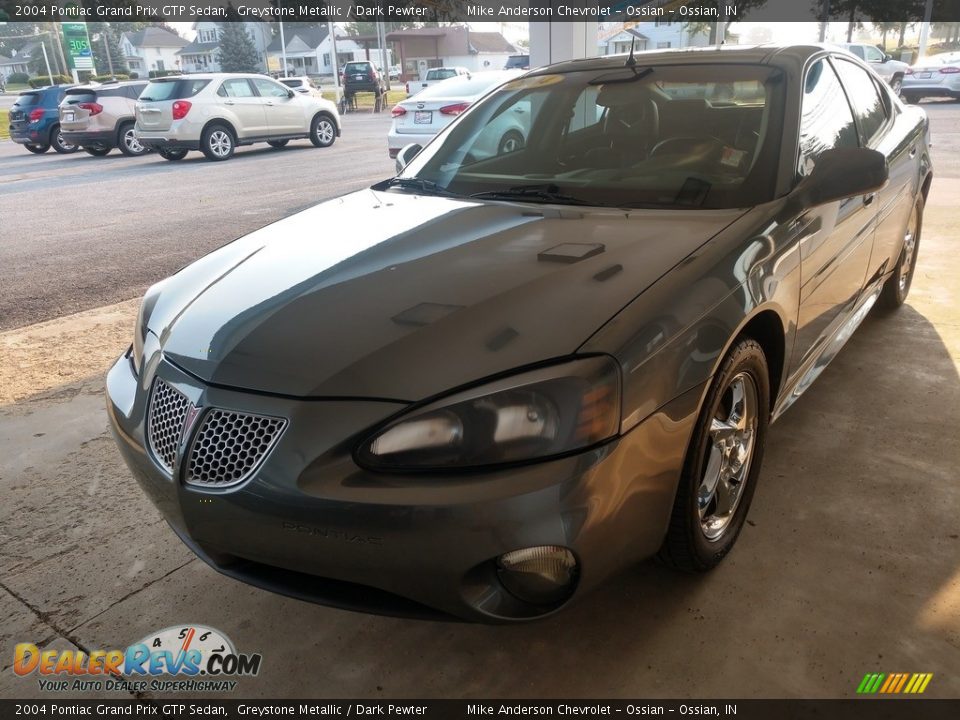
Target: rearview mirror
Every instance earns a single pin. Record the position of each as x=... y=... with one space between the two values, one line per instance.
x=406 y=154
x=841 y=173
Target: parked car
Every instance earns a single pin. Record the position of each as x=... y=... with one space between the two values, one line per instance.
x=362 y=76
x=99 y=118
x=934 y=76
x=434 y=75
x=517 y=62
x=395 y=72
x=893 y=71
x=515 y=376
x=419 y=118
x=302 y=85
x=35 y=121
x=216 y=112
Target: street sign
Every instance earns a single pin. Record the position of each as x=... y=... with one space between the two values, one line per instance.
x=77 y=44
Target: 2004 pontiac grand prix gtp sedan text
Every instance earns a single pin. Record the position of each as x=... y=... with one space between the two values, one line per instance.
x=482 y=386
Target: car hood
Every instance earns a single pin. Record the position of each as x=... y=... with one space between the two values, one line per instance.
x=399 y=296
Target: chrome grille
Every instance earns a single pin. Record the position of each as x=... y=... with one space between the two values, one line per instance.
x=229 y=446
x=168 y=410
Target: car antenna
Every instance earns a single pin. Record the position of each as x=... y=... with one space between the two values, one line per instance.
x=631 y=60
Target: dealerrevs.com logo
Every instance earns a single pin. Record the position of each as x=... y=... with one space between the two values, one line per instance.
x=182 y=658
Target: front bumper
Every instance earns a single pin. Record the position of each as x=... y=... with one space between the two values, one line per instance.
x=312 y=524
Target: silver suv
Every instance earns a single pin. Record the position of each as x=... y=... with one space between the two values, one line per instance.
x=216 y=112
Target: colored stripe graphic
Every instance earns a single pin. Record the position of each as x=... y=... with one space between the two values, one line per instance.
x=894 y=683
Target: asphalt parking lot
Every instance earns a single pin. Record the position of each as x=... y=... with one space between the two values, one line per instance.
x=850 y=562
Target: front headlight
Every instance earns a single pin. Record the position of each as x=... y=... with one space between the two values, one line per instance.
x=531 y=416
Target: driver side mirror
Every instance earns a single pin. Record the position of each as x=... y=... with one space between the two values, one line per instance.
x=290 y=93
x=841 y=173
x=406 y=154
x=887 y=58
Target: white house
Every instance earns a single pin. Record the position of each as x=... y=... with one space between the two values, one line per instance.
x=203 y=54
x=151 y=49
x=9 y=66
x=423 y=48
x=309 y=51
x=613 y=38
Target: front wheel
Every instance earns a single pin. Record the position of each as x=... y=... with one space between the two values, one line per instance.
x=37 y=149
x=323 y=132
x=97 y=150
x=59 y=144
x=897 y=286
x=722 y=464
x=217 y=143
x=172 y=155
x=896 y=84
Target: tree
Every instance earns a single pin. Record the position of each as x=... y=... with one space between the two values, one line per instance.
x=237 y=51
x=103 y=37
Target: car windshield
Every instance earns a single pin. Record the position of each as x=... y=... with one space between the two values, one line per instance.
x=664 y=136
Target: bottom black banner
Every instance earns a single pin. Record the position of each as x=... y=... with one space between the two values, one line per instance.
x=881 y=709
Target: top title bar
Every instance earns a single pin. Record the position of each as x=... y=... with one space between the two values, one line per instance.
x=423 y=11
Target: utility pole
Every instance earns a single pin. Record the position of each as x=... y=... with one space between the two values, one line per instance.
x=106 y=46
x=46 y=60
x=336 y=62
x=925 y=30
x=283 y=47
x=382 y=40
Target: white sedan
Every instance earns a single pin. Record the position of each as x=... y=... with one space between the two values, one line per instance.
x=418 y=119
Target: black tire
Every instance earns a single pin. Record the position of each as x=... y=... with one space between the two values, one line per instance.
x=97 y=150
x=896 y=84
x=171 y=154
x=910 y=98
x=128 y=143
x=897 y=286
x=687 y=545
x=277 y=143
x=37 y=149
x=59 y=144
x=323 y=130
x=217 y=142
x=511 y=141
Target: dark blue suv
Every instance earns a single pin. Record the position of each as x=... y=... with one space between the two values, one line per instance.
x=35 y=120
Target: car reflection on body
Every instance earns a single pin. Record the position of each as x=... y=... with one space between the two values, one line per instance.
x=519 y=373
x=420 y=117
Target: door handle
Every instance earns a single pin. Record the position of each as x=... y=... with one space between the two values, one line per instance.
x=913 y=151
x=868 y=199
x=229 y=102
x=270 y=104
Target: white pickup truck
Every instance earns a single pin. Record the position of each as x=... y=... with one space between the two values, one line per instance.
x=434 y=75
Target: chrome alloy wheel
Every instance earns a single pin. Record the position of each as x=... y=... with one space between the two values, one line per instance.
x=909 y=248
x=64 y=144
x=732 y=435
x=130 y=140
x=220 y=143
x=325 y=131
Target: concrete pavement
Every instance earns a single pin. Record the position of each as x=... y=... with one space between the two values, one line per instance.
x=850 y=562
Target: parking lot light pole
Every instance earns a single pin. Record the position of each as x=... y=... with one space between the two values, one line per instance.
x=336 y=61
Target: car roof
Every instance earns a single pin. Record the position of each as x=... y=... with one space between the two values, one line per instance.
x=208 y=76
x=768 y=53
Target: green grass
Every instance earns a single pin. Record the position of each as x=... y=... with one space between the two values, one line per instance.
x=15 y=88
x=365 y=100
x=4 y=124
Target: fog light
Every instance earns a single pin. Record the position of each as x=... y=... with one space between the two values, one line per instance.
x=543 y=575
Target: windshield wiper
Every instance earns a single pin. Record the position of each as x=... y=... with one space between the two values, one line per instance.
x=545 y=192
x=427 y=187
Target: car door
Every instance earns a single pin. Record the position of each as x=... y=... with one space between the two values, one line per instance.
x=837 y=238
x=284 y=114
x=883 y=128
x=242 y=101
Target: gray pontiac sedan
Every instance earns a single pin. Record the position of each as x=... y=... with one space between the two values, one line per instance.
x=510 y=374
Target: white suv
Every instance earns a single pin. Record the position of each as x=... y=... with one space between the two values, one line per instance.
x=216 y=112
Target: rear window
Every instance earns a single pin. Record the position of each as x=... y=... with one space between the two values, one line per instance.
x=465 y=86
x=27 y=99
x=80 y=96
x=292 y=83
x=357 y=67
x=441 y=74
x=172 y=89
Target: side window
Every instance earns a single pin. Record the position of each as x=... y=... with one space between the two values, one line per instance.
x=856 y=50
x=826 y=121
x=872 y=54
x=870 y=109
x=267 y=88
x=586 y=113
x=236 y=87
